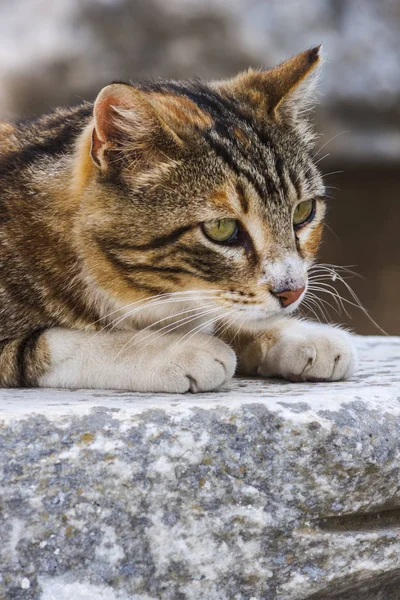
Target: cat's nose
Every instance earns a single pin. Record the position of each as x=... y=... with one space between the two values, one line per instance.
x=287 y=297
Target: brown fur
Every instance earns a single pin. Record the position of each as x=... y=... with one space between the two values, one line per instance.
x=313 y=241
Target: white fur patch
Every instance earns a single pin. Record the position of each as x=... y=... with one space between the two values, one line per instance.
x=138 y=361
x=310 y=351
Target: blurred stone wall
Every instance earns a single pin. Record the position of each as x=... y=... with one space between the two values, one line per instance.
x=56 y=52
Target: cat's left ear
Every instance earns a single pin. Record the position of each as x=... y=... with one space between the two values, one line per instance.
x=280 y=93
x=125 y=122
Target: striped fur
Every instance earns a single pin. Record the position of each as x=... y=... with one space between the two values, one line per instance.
x=101 y=206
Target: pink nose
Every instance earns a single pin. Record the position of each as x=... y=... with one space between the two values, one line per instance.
x=287 y=297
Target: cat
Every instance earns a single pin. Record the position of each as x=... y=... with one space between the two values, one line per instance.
x=159 y=239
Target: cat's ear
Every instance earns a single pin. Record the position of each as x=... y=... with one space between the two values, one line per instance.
x=125 y=122
x=280 y=93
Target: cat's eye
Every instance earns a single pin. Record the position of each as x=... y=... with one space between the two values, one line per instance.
x=303 y=213
x=223 y=231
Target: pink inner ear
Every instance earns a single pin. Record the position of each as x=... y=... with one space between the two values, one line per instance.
x=105 y=128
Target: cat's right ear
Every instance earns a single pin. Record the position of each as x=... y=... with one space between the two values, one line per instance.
x=125 y=122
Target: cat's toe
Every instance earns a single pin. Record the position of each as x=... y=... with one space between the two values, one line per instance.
x=207 y=368
x=336 y=357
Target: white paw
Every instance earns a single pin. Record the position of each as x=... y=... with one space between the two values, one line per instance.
x=203 y=365
x=136 y=362
x=311 y=352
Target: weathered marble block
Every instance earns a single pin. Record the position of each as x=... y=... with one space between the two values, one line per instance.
x=264 y=490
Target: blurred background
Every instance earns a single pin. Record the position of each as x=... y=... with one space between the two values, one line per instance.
x=55 y=52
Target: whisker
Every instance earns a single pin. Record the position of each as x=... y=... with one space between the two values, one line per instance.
x=332 y=173
x=330 y=228
x=333 y=187
x=168 y=317
x=347 y=269
x=322 y=273
x=329 y=141
x=149 y=300
x=115 y=322
x=214 y=309
x=324 y=287
x=220 y=329
x=359 y=305
x=317 y=299
x=336 y=296
x=310 y=308
x=322 y=158
x=238 y=331
x=198 y=329
x=318 y=303
x=169 y=328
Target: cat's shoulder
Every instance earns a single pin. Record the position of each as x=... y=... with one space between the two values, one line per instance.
x=23 y=142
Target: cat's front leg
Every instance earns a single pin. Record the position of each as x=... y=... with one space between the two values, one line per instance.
x=135 y=361
x=298 y=351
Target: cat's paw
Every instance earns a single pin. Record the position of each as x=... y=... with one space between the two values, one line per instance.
x=310 y=352
x=204 y=365
x=112 y=361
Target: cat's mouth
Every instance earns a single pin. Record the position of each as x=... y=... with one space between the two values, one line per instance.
x=275 y=302
x=274 y=307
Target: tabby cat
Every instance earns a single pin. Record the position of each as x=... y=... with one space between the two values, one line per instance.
x=159 y=239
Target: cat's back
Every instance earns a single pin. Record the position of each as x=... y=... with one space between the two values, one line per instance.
x=8 y=138
x=29 y=141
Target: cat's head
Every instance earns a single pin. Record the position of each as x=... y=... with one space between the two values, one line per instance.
x=205 y=186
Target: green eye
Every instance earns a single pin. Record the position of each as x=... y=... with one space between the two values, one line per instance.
x=303 y=212
x=223 y=230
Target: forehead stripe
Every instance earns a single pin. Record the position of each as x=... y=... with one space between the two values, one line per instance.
x=227 y=113
x=210 y=101
x=224 y=153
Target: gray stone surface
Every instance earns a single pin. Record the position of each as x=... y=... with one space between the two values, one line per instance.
x=264 y=490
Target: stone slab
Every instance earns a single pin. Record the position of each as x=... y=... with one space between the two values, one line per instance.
x=263 y=490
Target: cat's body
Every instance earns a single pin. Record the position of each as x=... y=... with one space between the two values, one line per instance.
x=113 y=270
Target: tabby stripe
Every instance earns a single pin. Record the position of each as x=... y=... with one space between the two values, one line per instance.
x=152 y=269
x=163 y=271
x=224 y=154
x=271 y=188
x=219 y=106
x=225 y=109
x=123 y=272
x=279 y=168
x=107 y=244
x=222 y=129
x=207 y=101
x=203 y=254
x=24 y=353
x=54 y=144
x=205 y=271
x=244 y=201
x=34 y=292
